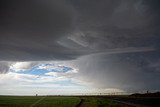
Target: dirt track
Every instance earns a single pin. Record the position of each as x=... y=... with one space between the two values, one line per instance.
x=80 y=103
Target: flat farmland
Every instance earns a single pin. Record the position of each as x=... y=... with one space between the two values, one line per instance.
x=77 y=101
x=55 y=101
x=38 y=101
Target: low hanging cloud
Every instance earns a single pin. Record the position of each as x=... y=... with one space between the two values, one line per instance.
x=4 y=67
x=129 y=72
x=22 y=66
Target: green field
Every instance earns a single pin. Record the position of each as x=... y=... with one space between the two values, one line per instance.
x=31 y=101
x=54 y=101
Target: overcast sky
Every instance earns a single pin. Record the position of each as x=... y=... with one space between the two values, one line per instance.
x=78 y=46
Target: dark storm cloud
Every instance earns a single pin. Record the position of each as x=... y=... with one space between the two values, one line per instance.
x=121 y=38
x=30 y=29
x=61 y=30
x=117 y=24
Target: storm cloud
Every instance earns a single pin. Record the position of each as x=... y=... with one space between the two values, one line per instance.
x=113 y=43
x=131 y=72
x=30 y=29
x=61 y=30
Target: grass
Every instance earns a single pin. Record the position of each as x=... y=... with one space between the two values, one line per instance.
x=55 y=101
x=90 y=102
x=27 y=101
x=103 y=102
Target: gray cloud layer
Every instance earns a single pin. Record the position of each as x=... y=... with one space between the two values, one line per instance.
x=60 y=30
x=112 y=30
x=30 y=29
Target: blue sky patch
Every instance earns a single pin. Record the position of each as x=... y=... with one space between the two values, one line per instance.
x=42 y=69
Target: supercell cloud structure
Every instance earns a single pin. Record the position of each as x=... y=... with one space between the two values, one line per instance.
x=107 y=44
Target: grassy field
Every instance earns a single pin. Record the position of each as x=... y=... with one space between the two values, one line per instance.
x=33 y=101
x=77 y=101
x=54 y=101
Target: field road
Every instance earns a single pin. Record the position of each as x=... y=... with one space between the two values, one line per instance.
x=137 y=101
x=128 y=104
x=81 y=103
